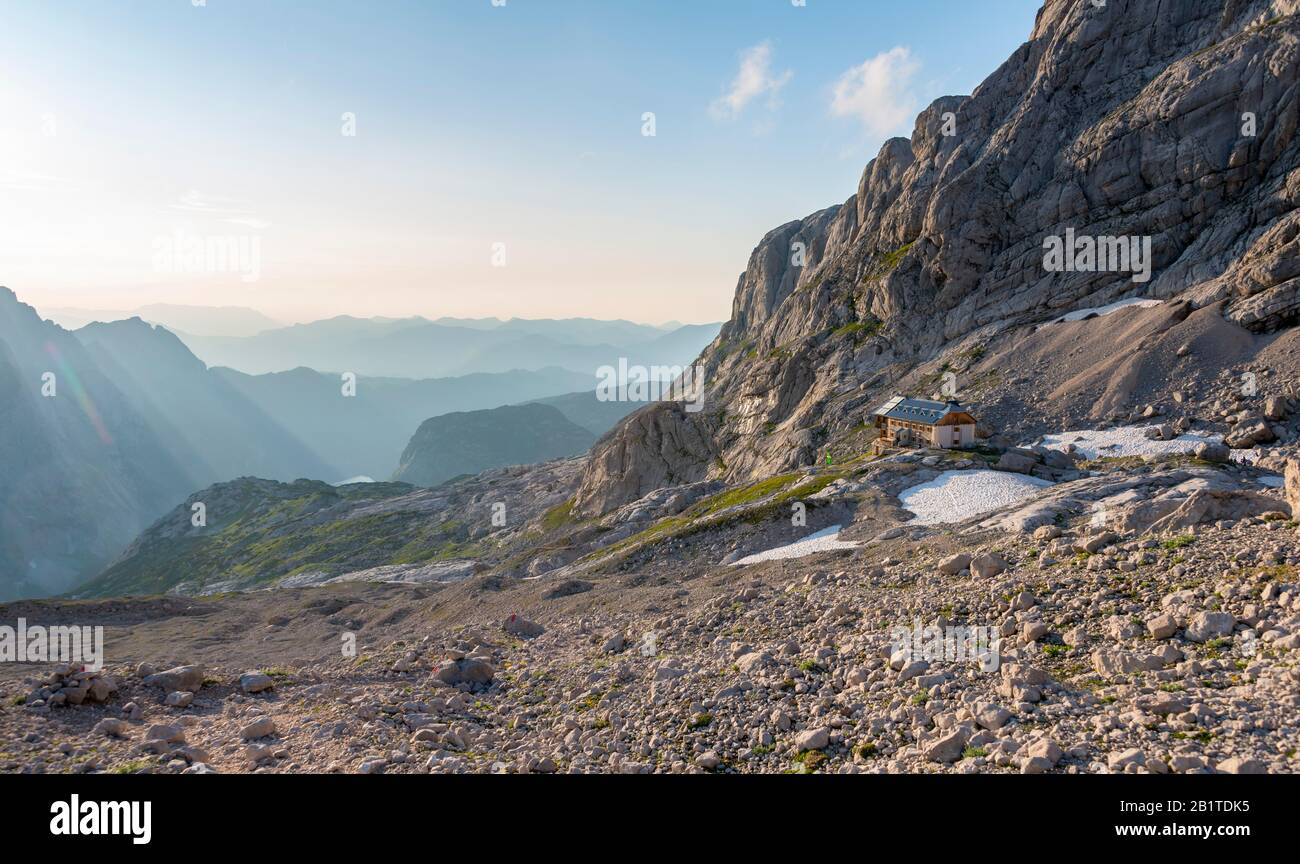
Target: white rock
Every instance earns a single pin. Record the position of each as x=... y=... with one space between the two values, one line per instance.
x=1206 y=625
x=262 y=727
x=255 y=682
x=812 y=739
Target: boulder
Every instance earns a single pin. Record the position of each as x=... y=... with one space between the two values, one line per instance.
x=187 y=678
x=1108 y=664
x=522 y=628
x=954 y=564
x=948 y=748
x=812 y=739
x=1174 y=514
x=1238 y=765
x=255 y=682
x=1018 y=461
x=912 y=669
x=1213 y=451
x=987 y=566
x=171 y=733
x=1207 y=625
x=990 y=716
x=466 y=671
x=1162 y=626
x=1121 y=760
x=1291 y=484
x=1032 y=631
x=1247 y=434
x=111 y=727
x=179 y=699
x=262 y=727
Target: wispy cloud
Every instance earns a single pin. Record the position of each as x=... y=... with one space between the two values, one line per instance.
x=753 y=80
x=17 y=179
x=879 y=93
x=227 y=210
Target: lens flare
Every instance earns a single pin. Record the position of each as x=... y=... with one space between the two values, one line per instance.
x=69 y=375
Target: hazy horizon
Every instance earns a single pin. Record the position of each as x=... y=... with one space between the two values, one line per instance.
x=53 y=311
x=464 y=160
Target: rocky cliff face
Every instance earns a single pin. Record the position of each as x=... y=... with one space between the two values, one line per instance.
x=1173 y=122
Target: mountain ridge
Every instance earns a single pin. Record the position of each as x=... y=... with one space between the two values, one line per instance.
x=1121 y=120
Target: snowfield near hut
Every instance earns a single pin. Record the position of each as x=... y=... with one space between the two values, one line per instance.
x=955 y=496
x=1124 y=441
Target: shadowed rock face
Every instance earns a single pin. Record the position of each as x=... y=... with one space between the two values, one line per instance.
x=468 y=442
x=656 y=447
x=1122 y=121
x=81 y=470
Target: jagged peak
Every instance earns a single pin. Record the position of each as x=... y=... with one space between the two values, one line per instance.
x=943 y=238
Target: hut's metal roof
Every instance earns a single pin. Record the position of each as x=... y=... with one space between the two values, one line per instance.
x=918 y=410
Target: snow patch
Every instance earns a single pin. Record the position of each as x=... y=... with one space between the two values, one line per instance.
x=1124 y=441
x=826 y=540
x=955 y=496
x=1101 y=311
x=1272 y=481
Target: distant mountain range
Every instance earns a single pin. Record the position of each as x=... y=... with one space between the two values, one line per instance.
x=134 y=422
x=205 y=321
x=417 y=348
x=250 y=342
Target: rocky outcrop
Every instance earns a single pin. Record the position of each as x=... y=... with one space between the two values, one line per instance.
x=663 y=445
x=1170 y=122
x=1291 y=484
x=1160 y=502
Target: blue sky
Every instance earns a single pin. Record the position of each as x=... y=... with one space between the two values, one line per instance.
x=126 y=125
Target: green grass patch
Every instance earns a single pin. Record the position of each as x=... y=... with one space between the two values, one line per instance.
x=809 y=761
x=886 y=263
x=858 y=330
x=131 y=767
x=558 y=516
x=1201 y=736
